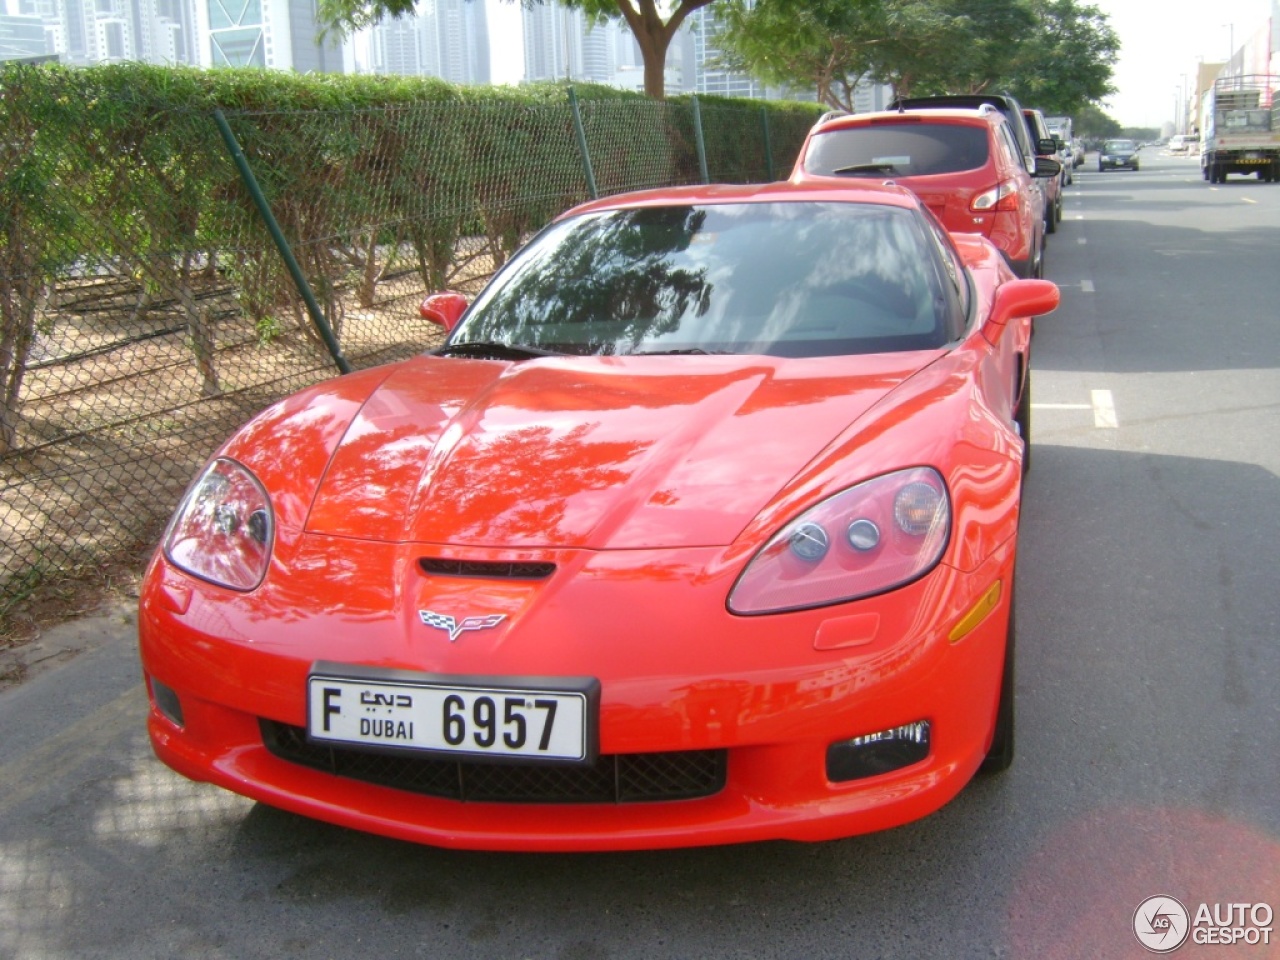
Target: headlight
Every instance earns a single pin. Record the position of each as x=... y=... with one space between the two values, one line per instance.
x=224 y=528
x=874 y=537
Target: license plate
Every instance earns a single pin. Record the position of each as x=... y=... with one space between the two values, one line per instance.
x=526 y=718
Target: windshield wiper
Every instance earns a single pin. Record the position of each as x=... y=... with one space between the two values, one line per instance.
x=493 y=350
x=675 y=352
x=859 y=168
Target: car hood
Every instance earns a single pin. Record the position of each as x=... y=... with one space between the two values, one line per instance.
x=589 y=452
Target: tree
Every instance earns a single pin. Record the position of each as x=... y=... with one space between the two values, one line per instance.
x=1092 y=124
x=949 y=46
x=825 y=44
x=1054 y=54
x=644 y=18
x=918 y=46
x=1066 y=61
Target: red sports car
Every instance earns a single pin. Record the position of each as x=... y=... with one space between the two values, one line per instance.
x=699 y=528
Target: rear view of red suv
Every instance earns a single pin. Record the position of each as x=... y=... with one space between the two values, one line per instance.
x=965 y=164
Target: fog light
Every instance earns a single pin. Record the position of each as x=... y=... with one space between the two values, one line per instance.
x=878 y=753
x=166 y=701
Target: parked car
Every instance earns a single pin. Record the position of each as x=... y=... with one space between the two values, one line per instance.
x=1066 y=157
x=700 y=527
x=1118 y=155
x=1077 y=152
x=964 y=163
x=1054 y=187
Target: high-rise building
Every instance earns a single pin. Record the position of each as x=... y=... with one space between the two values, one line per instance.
x=280 y=34
x=443 y=38
x=709 y=77
x=562 y=44
x=22 y=35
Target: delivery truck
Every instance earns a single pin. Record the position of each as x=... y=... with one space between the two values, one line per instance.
x=1240 y=128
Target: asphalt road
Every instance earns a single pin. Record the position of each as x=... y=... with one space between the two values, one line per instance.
x=1149 y=723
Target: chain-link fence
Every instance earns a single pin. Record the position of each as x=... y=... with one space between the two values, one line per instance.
x=145 y=313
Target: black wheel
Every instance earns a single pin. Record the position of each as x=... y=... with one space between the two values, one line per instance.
x=1000 y=757
x=1135 y=168
x=1051 y=219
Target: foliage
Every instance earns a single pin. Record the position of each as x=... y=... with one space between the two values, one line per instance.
x=827 y=45
x=1051 y=53
x=1091 y=123
x=1066 y=61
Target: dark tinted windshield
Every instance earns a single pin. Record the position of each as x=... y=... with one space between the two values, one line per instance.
x=784 y=279
x=1118 y=146
x=898 y=150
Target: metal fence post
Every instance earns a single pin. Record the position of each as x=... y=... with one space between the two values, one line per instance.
x=295 y=271
x=582 y=144
x=702 y=146
x=768 y=144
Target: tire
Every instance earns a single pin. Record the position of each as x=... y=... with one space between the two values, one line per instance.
x=1135 y=168
x=1022 y=417
x=1000 y=757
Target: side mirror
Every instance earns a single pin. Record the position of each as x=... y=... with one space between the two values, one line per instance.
x=1046 y=146
x=1023 y=298
x=445 y=309
x=1047 y=168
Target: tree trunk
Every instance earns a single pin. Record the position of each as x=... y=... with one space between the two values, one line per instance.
x=653 y=36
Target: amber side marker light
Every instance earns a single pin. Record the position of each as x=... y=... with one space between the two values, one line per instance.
x=977 y=613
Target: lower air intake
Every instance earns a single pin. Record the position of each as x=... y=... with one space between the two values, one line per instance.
x=622 y=778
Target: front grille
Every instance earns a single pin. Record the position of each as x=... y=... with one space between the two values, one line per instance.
x=440 y=566
x=622 y=778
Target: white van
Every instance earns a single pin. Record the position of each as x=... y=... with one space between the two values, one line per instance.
x=1180 y=143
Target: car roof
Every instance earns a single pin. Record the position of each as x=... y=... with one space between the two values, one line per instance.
x=961 y=115
x=883 y=194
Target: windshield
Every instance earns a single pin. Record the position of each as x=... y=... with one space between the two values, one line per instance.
x=782 y=279
x=1118 y=146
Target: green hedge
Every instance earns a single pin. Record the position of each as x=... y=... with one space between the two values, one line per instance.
x=144 y=310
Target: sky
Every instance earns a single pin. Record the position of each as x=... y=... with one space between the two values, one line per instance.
x=506 y=48
x=1161 y=43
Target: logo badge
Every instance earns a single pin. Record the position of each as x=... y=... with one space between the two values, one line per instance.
x=1161 y=924
x=455 y=628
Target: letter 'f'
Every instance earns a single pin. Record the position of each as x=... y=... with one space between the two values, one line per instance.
x=330 y=707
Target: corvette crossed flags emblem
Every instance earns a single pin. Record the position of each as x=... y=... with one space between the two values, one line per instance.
x=443 y=621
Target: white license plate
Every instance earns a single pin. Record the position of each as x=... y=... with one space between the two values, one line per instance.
x=524 y=718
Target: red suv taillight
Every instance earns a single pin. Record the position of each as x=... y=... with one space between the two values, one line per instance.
x=1001 y=197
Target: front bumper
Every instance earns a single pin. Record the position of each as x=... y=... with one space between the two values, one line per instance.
x=769 y=695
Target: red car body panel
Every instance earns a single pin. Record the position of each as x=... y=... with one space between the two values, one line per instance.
x=649 y=482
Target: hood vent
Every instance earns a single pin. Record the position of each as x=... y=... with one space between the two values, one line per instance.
x=440 y=567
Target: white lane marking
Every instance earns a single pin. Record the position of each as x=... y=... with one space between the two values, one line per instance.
x=1104 y=409
x=1082 y=240
x=1086 y=286
x=1247 y=200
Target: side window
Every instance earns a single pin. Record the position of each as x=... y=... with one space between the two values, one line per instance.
x=956 y=277
x=1010 y=146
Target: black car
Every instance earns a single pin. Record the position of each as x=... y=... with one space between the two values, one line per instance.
x=1118 y=155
